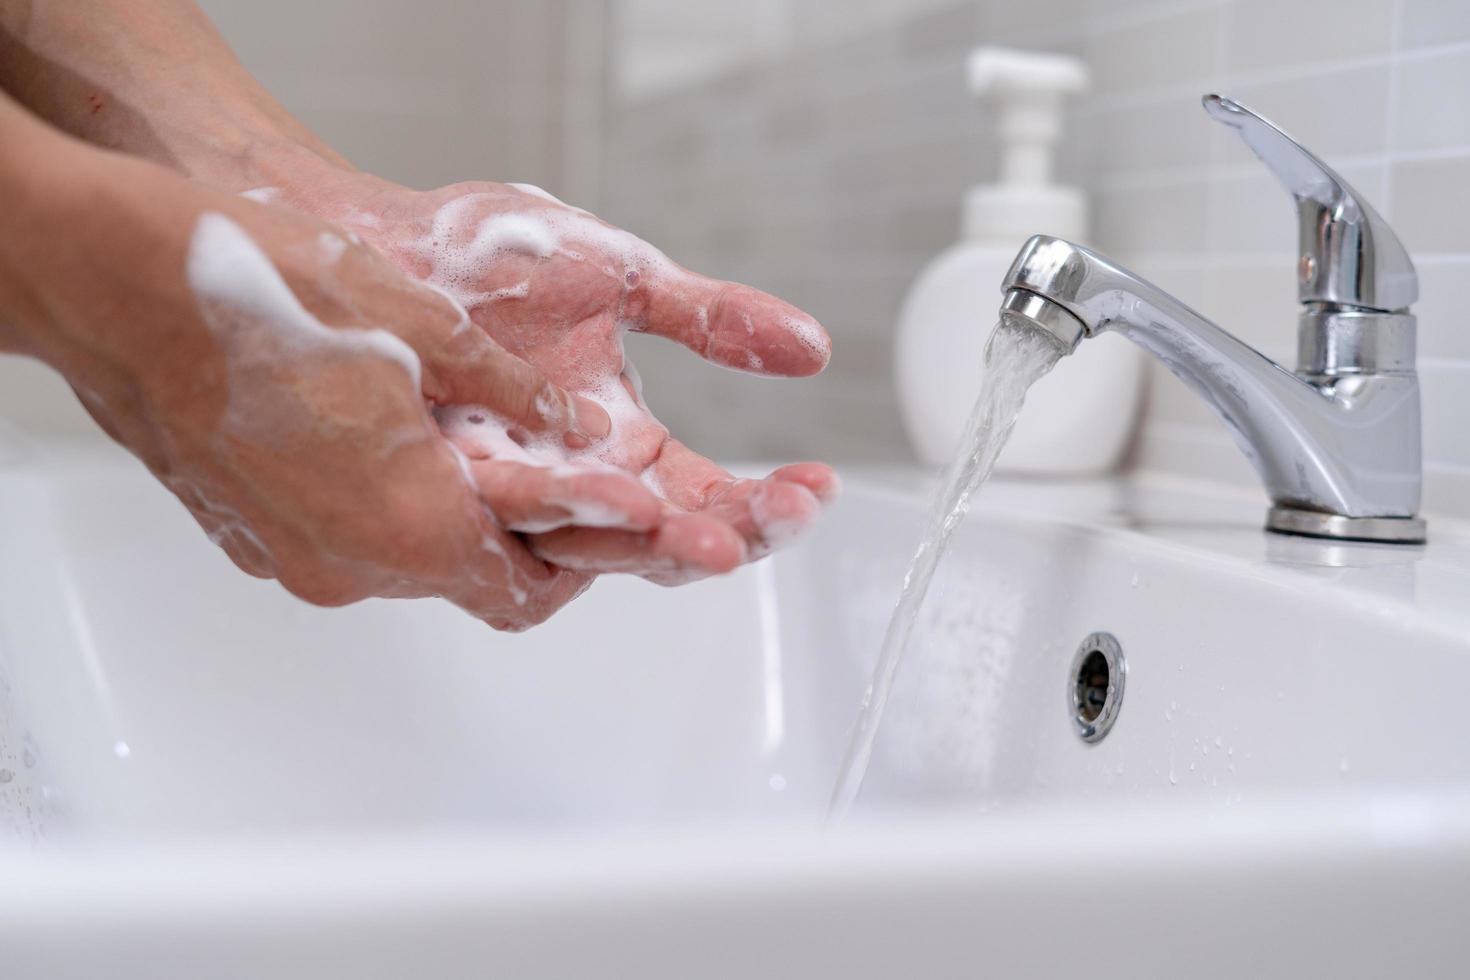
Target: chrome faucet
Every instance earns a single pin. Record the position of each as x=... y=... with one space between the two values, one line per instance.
x=1337 y=441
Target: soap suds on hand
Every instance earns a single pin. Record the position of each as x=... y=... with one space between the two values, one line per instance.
x=230 y=276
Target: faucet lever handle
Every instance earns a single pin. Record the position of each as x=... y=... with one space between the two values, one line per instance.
x=1349 y=255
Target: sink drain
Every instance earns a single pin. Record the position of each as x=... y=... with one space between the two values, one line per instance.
x=1095 y=687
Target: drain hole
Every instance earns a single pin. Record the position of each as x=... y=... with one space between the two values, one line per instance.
x=1092 y=685
x=1095 y=687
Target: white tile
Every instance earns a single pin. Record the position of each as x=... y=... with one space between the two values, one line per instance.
x=1334 y=114
x=1447 y=492
x=1444 y=328
x=1446 y=406
x=1430 y=111
x=1429 y=22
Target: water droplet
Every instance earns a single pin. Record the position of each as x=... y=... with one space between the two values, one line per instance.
x=121 y=749
x=1342 y=767
x=29 y=758
x=6 y=776
x=778 y=782
x=1134 y=582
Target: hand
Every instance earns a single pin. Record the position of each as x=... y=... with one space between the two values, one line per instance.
x=558 y=288
x=308 y=452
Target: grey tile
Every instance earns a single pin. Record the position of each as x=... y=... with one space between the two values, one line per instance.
x=1272 y=34
x=1163 y=218
x=1178 y=46
x=952 y=28
x=1052 y=25
x=1257 y=302
x=1201 y=451
x=1431 y=210
x=38 y=400
x=1163 y=134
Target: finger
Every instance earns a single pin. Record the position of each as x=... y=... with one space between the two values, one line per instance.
x=498 y=580
x=735 y=326
x=768 y=513
x=686 y=479
x=559 y=592
x=534 y=499
x=472 y=369
x=444 y=541
x=682 y=548
x=819 y=478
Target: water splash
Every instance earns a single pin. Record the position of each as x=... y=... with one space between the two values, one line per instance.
x=1016 y=357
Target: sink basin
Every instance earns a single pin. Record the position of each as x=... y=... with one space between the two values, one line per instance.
x=207 y=777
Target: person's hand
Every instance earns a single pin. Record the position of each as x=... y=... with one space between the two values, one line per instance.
x=558 y=287
x=278 y=376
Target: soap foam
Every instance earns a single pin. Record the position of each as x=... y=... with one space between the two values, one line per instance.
x=778 y=530
x=545 y=195
x=229 y=273
x=243 y=299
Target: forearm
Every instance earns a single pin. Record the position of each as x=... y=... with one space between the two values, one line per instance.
x=78 y=222
x=30 y=153
x=155 y=80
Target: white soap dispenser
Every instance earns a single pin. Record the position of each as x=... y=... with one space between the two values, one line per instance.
x=1078 y=419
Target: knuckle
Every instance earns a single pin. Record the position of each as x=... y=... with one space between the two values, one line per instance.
x=321 y=588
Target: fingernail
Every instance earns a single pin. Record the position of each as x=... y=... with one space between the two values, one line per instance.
x=592 y=421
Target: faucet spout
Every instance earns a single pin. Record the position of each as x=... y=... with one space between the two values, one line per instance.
x=1336 y=443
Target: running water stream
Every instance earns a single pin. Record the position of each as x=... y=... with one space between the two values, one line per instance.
x=1016 y=357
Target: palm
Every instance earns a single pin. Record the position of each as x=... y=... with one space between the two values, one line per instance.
x=558 y=288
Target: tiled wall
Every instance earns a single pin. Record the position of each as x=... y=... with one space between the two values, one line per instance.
x=832 y=173
x=426 y=93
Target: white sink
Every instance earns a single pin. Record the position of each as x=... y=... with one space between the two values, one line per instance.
x=210 y=778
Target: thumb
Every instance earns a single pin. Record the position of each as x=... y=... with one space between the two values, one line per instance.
x=481 y=372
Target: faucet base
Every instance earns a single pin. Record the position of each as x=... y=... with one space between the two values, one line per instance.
x=1316 y=524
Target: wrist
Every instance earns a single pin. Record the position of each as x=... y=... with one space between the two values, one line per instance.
x=237 y=156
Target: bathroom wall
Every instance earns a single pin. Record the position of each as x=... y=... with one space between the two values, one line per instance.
x=426 y=93
x=830 y=170
x=818 y=148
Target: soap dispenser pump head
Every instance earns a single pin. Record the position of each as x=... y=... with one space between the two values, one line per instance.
x=1028 y=90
